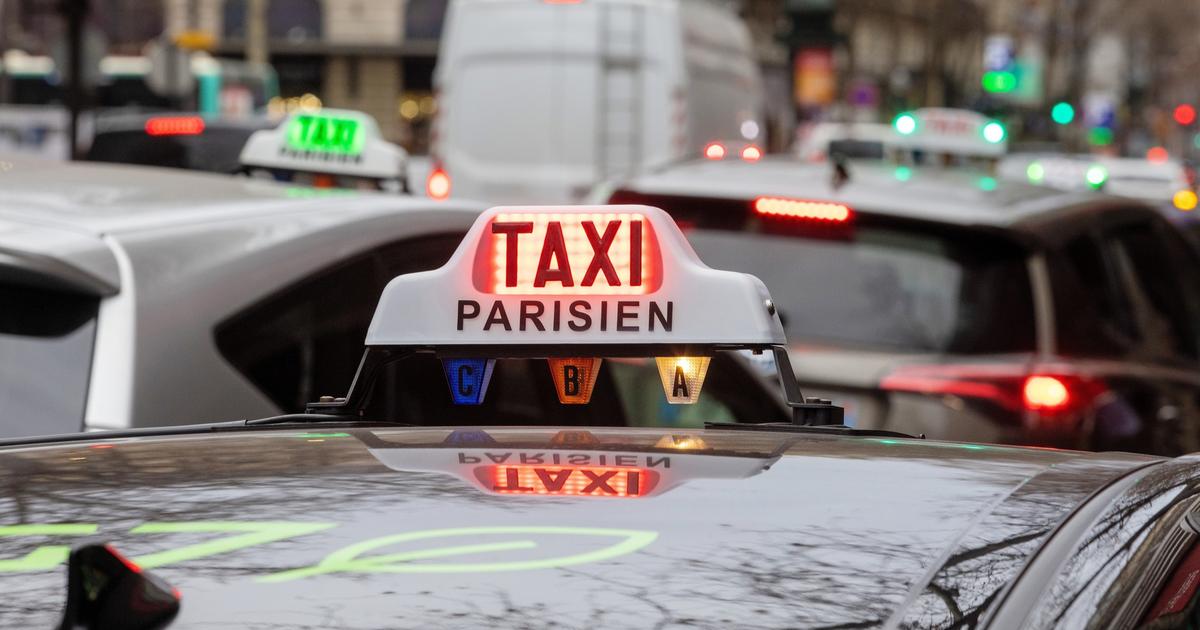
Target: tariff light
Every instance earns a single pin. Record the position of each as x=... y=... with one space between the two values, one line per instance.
x=468 y=379
x=682 y=378
x=574 y=378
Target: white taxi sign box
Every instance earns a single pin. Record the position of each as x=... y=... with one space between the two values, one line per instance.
x=327 y=141
x=951 y=131
x=563 y=275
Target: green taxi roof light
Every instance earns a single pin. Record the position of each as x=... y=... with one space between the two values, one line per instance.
x=1096 y=175
x=325 y=133
x=994 y=132
x=905 y=124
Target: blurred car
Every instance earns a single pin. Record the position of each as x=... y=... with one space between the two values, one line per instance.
x=176 y=140
x=540 y=101
x=136 y=297
x=816 y=142
x=947 y=303
x=128 y=291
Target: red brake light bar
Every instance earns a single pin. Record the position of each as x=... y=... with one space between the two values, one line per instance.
x=802 y=209
x=175 y=126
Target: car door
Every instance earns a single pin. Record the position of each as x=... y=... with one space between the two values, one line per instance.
x=1121 y=324
x=1150 y=264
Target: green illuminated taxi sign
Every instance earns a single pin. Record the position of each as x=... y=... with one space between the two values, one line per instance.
x=326 y=133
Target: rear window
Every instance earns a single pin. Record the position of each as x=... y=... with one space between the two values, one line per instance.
x=215 y=150
x=46 y=339
x=885 y=285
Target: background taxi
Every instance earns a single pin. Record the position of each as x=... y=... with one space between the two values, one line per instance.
x=946 y=302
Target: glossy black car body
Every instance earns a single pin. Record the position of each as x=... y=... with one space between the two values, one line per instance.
x=359 y=526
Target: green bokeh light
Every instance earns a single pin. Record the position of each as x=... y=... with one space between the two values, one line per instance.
x=994 y=132
x=1062 y=113
x=903 y=173
x=905 y=124
x=1100 y=136
x=1035 y=172
x=1096 y=175
x=987 y=183
x=999 y=81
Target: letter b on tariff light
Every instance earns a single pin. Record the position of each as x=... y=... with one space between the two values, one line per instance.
x=468 y=379
x=574 y=378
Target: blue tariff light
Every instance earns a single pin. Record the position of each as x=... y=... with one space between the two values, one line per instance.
x=468 y=379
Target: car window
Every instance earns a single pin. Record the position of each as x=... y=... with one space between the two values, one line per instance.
x=306 y=340
x=1150 y=279
x=1091 y=319
x=46 y=339
x=893 y=289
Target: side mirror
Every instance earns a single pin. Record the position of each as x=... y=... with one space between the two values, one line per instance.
x=106 y=590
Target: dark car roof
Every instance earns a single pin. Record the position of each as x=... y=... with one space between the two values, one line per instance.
x=361 y=527
x=947 y=195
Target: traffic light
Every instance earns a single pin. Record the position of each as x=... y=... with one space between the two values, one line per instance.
x=1185 y=114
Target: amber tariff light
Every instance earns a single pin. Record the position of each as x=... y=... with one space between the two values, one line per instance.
x=574 y=378
x=802 y=209
x=682 y=378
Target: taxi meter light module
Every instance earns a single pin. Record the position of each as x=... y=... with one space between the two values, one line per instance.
x=570 y=481
x=326 y=133
x=569 y=254
x=468 y=379
x=574 y=378
x=682 y=378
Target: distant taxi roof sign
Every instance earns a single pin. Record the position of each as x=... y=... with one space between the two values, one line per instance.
x=946 y=130
x=335 y=141
x=574 y=275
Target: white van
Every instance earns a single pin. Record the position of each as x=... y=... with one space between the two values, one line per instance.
x=539 y=100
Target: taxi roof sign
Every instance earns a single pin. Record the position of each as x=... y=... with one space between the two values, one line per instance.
x=334 y=141
x=564 y=275
x=947 y=130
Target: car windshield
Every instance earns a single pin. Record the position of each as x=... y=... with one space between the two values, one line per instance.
x=888 y=288
x=46 y=339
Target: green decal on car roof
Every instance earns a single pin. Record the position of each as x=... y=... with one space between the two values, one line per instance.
x=248 y=534
x=47 y=556
x=350 y=559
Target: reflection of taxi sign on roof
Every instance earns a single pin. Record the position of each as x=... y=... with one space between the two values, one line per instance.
x=573 y=285
x=597 y=470
x=334 y=141
x=955 y=131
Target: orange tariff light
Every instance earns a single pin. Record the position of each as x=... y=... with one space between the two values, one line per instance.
x=574 y=378
x=682 y=378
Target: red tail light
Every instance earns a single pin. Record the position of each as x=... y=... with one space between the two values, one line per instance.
x=1050 y=390
x=714 y=151
x=802 y=209
x=751 y=154
x=175 y=126
x=437 y=185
